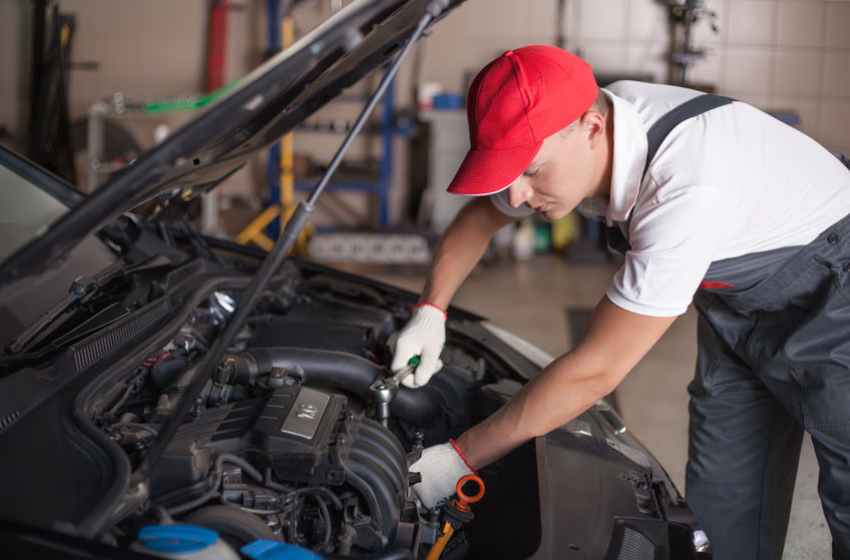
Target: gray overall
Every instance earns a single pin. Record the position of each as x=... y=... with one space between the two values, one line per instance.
x=774 y=359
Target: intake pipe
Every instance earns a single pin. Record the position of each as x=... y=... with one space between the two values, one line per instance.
x=337 y=370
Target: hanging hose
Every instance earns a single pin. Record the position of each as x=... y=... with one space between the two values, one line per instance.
x=317 y=491
x=324 y=515
x=326 y=522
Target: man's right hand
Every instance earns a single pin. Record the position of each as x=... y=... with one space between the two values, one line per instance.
x=424 y=336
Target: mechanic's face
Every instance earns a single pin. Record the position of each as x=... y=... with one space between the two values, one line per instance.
x=571 y=165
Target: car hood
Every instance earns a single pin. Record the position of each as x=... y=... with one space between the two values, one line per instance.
x=263 y=106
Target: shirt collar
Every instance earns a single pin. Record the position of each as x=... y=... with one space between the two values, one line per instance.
x=629 y=159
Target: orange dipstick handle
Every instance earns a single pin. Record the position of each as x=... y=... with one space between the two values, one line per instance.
x=463 y=499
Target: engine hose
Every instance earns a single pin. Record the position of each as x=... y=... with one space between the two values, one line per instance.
x=292 y=526
x=326 y=522
x=276 y=486
x=318 y=491
x=137 y=425
x=325 y=514
x=246 y=467
x=339 y=370
x=200 y=500
x=217 y=476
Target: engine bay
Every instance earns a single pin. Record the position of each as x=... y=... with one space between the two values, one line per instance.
x=293 y=439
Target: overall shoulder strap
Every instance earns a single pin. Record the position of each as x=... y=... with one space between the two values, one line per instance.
x=691 y=108
x=656 y=135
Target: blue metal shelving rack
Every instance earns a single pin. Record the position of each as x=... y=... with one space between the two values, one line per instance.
x=380 y=187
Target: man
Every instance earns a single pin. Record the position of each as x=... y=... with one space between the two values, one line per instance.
x=734 y=211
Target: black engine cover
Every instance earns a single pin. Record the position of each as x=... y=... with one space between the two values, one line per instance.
x=296 y=434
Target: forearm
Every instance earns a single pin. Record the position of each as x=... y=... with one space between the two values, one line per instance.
x=614 y=343
x=460 y=249
x=555 y=396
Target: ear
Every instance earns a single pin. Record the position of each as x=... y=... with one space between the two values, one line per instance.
x=593 y=126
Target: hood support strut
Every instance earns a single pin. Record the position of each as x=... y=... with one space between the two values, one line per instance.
x=137 y=491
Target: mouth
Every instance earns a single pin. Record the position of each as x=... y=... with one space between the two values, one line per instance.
x=542 y=208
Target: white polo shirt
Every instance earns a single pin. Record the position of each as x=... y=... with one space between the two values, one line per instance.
x=727 y=183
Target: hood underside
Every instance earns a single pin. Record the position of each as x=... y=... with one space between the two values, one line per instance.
x=264 y=106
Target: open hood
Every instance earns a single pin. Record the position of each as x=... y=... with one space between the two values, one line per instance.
x=266 y=104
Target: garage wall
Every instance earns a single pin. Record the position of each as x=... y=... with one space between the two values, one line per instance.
x=775 y=54
x=14 y=60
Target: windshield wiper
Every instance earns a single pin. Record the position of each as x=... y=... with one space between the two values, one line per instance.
x=80 y=288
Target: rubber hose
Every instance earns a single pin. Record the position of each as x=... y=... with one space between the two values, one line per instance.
x=217 y=475
x=422 y=407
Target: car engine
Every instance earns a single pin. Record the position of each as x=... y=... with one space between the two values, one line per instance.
x=288 y=441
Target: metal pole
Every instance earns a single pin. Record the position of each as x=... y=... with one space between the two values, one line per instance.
x=433 y=9
x=136 y=490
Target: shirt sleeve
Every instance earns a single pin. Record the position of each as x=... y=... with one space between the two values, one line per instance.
x=672 y=245
x=500 y=201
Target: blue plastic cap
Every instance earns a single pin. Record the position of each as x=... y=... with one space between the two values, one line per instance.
x=177 y=538
x=273 y=550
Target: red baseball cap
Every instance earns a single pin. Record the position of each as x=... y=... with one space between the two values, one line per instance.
x=514 y=103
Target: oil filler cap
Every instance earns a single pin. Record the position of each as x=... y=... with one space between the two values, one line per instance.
x=177 y=538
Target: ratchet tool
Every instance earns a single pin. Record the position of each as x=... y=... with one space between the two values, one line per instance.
x=384 y=390
x=402 y=374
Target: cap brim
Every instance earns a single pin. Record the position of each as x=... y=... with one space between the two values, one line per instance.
x=486 y=172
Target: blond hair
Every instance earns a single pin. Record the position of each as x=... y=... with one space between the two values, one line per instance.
x=602 y=105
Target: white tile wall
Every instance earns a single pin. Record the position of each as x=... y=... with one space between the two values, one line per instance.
x=647 y=22
x=504 y=18
x=541 y=18
x=748 y=70
x=793 y=54
x=836 y=81
x=751 y=22
x=798 y=73
x=834 y=125
x=605 y=58
x=648 y=58
x=710 y=70
x=837 y=31
x=801 y=24
x=602 y=19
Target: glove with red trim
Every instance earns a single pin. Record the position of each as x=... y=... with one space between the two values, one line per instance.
x=424 y=336
x=441 y=466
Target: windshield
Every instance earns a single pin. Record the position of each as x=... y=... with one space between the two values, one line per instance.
x=26 y=210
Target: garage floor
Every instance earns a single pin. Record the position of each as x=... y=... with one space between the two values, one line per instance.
x=531 y=300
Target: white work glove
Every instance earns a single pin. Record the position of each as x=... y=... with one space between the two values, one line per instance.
x=441 y=466
x=424 y=336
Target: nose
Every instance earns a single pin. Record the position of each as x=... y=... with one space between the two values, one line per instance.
x=518 y=192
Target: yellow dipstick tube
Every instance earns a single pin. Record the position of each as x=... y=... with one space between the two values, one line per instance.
x=438 y=547
x=460 y=515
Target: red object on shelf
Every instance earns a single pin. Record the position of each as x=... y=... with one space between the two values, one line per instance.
x=217 y=45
